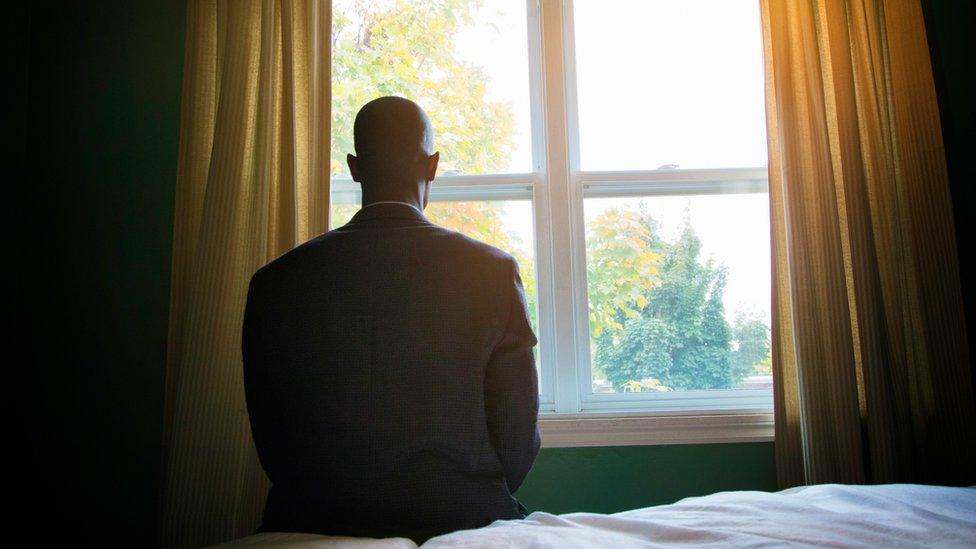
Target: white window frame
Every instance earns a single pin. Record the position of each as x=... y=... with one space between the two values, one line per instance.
x=570 y=413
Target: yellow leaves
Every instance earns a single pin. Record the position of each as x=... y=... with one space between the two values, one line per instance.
x=622 y=267
x=648 y=384
x=334 y=166
x=406 y=48
x=633 y=387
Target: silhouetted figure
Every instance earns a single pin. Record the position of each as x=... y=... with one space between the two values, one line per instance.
x=388 y=363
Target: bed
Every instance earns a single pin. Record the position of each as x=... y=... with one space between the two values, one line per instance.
x=890 y=515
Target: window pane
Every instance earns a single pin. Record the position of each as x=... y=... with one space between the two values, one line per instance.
x=505 y=224
x=465 y=63
x=669 y=83
x=679 y=292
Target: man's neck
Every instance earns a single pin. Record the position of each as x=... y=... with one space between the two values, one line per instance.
x=414 y=206
x=412 y=199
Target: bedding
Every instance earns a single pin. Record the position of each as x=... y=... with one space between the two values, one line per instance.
x=890 y=515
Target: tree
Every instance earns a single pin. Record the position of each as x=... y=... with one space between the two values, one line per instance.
x=750 y=336
x=644 y=349
x=621 y=268
x=713 y=365
x=406 y=47
x=680 y=337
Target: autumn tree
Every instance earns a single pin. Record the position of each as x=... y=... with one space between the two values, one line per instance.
x=680 y=336
x=621 y=269
x=406 y=48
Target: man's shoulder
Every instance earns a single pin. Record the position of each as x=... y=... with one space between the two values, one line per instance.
x=288 y=260
x=449 y=242
x=474 y=246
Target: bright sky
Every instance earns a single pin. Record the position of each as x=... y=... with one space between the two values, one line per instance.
x=670 y=82
x=659 y=82
x=499 y=42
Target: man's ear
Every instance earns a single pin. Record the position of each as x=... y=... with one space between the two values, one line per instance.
x=353 y=167
x=432 y=166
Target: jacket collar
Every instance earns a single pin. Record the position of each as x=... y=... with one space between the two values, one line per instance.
x=386 y=210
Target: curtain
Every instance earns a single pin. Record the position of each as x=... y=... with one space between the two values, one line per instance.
x=252 y=183
x=869 y=345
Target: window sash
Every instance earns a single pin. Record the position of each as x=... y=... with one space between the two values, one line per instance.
x=569 y=184
x=649 y=184
x=557 y=188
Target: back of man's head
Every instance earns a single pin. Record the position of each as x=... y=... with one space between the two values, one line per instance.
x=393 y=136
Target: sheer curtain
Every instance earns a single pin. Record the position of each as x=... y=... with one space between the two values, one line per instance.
x=870 y=358
x=252 y=183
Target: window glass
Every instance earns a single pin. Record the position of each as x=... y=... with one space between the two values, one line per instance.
x=465 y=63
x=679 y=294
x=669 y=84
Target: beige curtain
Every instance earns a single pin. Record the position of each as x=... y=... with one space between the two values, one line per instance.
x=252 y=183
x=871 y=367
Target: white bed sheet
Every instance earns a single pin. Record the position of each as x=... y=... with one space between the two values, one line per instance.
x=829 y=515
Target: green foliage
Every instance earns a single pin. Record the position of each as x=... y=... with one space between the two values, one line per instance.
x=752 y=349
x=765 y=367
x=677 y=333
x=406 y=48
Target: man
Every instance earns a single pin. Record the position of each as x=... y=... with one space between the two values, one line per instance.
x=388 y=363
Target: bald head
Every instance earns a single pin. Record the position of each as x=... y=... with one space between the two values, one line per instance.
x=392 y=127
x=395 y=158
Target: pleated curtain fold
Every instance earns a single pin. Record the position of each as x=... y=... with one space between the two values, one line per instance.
x=872 y=378
x=252 y=184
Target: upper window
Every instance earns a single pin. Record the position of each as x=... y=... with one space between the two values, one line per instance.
x=466 y=63
x=618 y=152
x=669 y=84
x=677 y=268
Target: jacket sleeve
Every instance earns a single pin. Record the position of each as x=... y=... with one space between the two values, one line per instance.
x=512 y=388
x=255 y=380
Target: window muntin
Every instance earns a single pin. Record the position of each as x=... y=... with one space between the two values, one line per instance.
x=669 y=83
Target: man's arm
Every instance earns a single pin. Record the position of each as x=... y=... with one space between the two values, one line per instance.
x=255 y=378
x=512 y=388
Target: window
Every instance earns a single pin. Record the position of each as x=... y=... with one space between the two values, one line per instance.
x=617 y=149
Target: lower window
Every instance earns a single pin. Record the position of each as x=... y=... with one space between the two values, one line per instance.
x=678 y=301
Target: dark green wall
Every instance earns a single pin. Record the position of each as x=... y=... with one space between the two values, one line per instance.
x=103 y=127
x=612 y=479
x=101 y=122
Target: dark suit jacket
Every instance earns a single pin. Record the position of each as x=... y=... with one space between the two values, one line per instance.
x=390 y=380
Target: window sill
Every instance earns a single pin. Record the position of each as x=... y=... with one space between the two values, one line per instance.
x=578 y=430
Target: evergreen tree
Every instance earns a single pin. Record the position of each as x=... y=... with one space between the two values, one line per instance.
x=681 y=337
x=751 y=339
x=714 y=366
